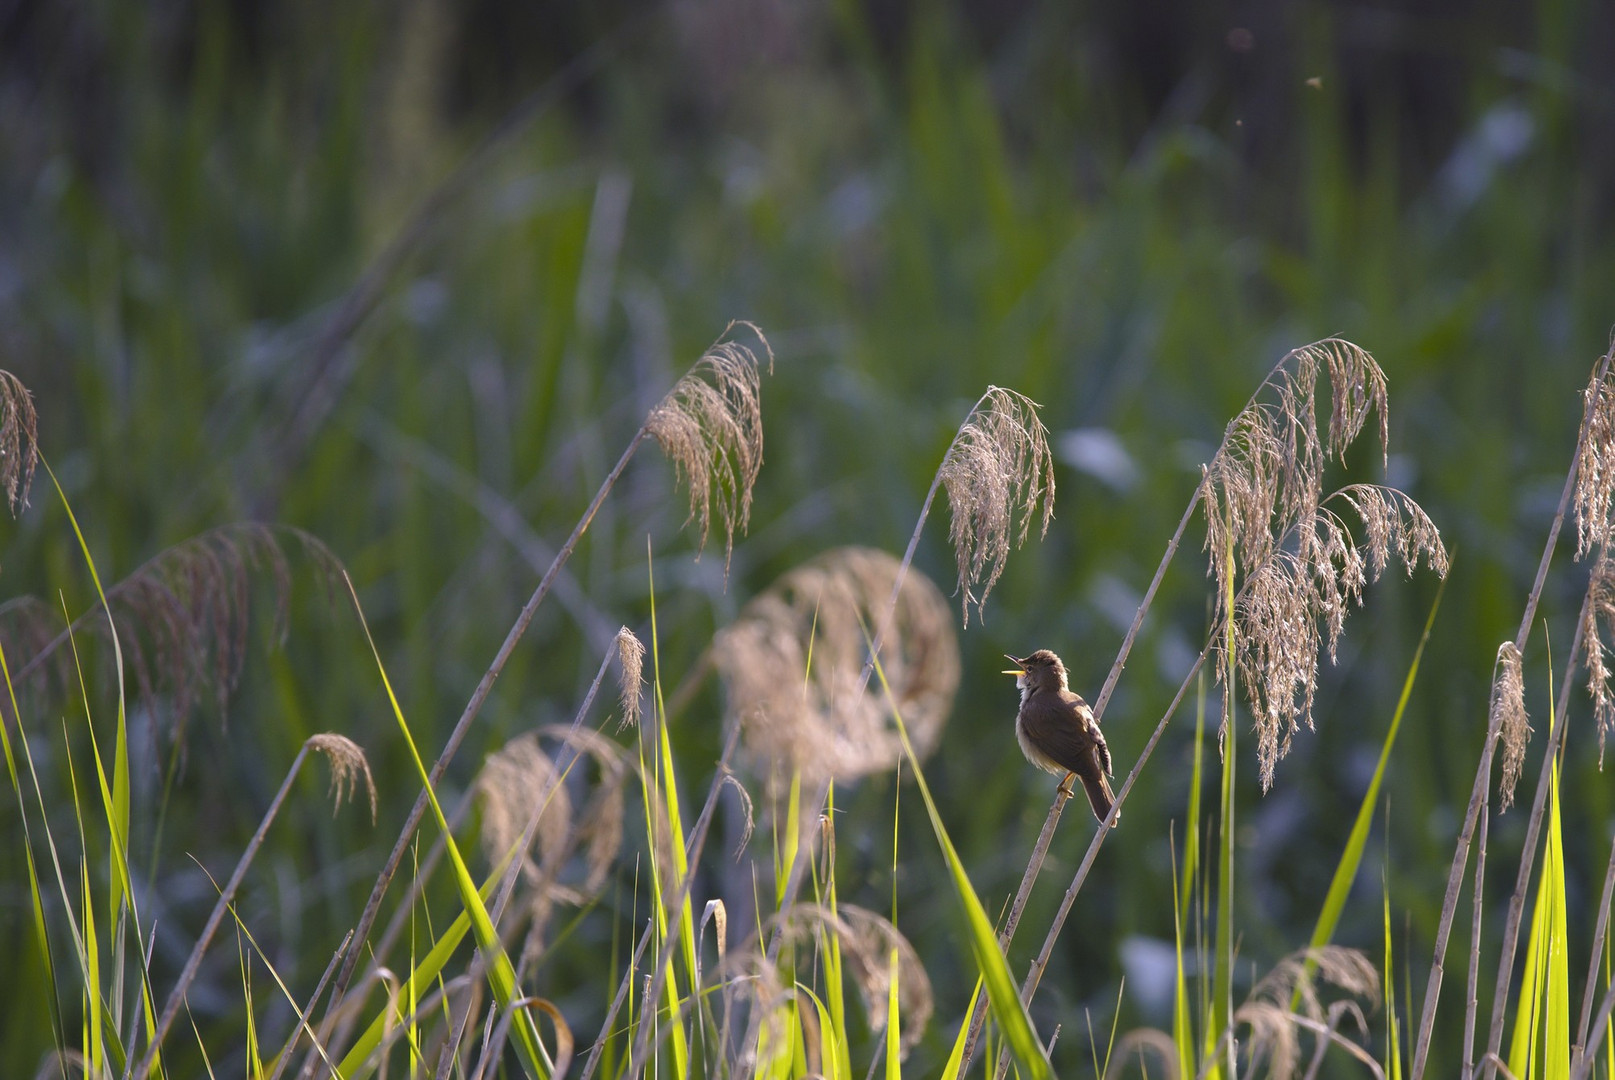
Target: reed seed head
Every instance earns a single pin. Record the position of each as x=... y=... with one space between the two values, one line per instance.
x=1600 y=615
x=710 y=425
x=510 y=784
x=818 y=717
x=997 y=472
x=630 y=670
x=348 y=767
x=1509 y=719
x=1595 y=476
x=19 y=439
x=1270 y=529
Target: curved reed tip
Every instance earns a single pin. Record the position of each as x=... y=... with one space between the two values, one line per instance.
x=19 y=437
x=710 y=425
x=997 y=471
x=821 y=717
x=348 y=767
x=630 y=673
x=1268 y=519
x=1509 y=718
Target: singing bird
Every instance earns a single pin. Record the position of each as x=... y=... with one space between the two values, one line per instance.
x=1057 y=730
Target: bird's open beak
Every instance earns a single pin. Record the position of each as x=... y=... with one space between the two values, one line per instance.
x=1019 y=669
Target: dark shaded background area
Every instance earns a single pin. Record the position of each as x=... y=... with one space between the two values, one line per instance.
x=1126 y=211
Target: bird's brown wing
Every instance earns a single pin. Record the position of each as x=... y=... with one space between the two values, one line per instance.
x=1061 y=730
x=1099 y=746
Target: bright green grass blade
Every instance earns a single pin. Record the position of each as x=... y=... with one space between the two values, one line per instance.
x=41 y=935
x=92 y=966
x=834 y=988
x=666 y=790
x=501 y=973
x=1182 y=1024
x=831 y=1064
x=1556 y=1019
x=1351 y=859
x=1006 y=1003
x=956 y=1059
x=894 y=1020
x=786 y=854
x=1393 y=1069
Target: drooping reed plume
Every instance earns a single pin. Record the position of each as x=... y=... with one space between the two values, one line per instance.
x=1286 y=1002
x=999 y=477
x=183 y=616
x=1285 y=550
x=710 y=425
x=819 y=718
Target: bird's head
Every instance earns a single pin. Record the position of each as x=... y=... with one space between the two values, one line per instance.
x=1040 y=671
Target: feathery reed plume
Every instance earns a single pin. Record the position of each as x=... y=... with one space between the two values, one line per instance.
x=1134 y=1043
x=512 y=778
x=1303 y=570
x=348 y=767
x=998 y=468
x=1272 y=1020
x=1508 y=716
x=1600 y=614
x=710 y=425
x=600 y=828
x=19 y=436
x=1595 y=480
x=184 y=614
x=630 y=667
x=821 y=718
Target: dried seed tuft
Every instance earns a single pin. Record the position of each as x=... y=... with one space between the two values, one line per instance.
x=630 y=669
x=1595 y=478
x=998 y=470
x=348 y=767
x=19 y=437
x=1508 y=716
x=1600 y=615
x=819 y=717
x=710 y=425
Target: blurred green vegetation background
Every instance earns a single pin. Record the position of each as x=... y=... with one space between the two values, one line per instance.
x=1126 y=211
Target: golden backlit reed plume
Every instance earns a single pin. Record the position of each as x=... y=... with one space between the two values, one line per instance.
x=710 y=425
x=348 y=768
x=820 y=718
x=997 y=472
x=1284 y=549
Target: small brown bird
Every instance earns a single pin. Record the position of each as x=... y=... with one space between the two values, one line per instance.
x=1057 y=730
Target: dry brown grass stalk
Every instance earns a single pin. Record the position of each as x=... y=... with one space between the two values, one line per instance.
x=1477 y=797
x=821 y=719
x=347 y=761
x=999 y=477
x=739 y=501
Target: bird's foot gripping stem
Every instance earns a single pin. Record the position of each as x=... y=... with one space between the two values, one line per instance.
x=1065 y=785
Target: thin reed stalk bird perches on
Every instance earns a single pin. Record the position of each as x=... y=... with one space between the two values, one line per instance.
x=996 y=470
x=1294 y=572
x=710 y=425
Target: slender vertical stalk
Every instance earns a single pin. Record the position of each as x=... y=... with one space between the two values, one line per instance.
x=1483 y=772
x=1473 y=1000
x=478 y=697
x=1516 y=906
x=176 y=997
x=1596 y=952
